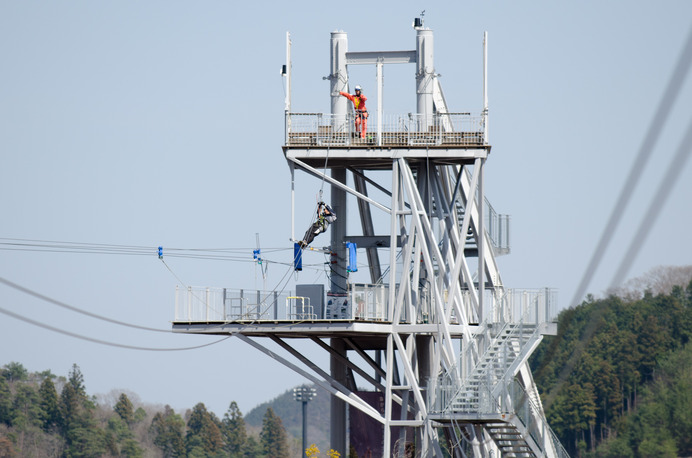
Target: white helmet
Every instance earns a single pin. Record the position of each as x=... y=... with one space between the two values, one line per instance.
x=358 y=88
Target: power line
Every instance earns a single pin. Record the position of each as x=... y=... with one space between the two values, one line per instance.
x=658 y=121
x=75 y=309
x=212 y=254
x=99 y=341
x=224 y=254
x=665 y=187
x=668 y=100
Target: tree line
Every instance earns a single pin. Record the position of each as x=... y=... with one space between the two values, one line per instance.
x=43 y=415
x=616 y=381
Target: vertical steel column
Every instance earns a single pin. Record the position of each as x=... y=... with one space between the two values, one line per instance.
x=292 y=167
x=339 y=273
x=368 y=229
x=424 y=77
x=305 y=426
x=339 y=80
x=386 y=446
x=338 y=414
x=394 y=230
x=480 y=237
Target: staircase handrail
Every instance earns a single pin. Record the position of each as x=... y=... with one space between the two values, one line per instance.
x=548 y=432
x=451 y=376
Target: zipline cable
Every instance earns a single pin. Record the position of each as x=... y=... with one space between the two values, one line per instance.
x=103 y=342
x=12 y=244
x=75 y=309
x=658 y=121
x=667 y=101
x=666 y=185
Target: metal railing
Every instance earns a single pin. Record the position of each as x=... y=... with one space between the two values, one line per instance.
x=497 y=227
x=205 y=304
x=532 y=418
x=517 y=315
x=528 y=306
x=518 y=405
x=362 y=302
x=441 y=129
x=299 y=308
x=371 y=301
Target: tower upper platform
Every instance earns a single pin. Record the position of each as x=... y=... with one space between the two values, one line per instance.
x=443 y=138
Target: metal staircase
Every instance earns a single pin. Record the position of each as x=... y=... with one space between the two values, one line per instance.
x=491 y=395
x=509 y=439
x=508 y=349
x=497 y=227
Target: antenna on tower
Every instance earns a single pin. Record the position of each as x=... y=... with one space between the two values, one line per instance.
x=286 y=72
x=418 y=22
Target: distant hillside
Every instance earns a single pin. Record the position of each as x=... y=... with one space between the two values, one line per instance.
x=291 y=414
x=617 y=379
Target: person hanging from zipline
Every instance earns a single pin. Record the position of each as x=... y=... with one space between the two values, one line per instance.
x=358 y=100
x=325 y=216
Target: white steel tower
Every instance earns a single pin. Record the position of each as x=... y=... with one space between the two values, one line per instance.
x=433 y=350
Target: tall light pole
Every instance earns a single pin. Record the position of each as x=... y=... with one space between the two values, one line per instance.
x=304 y=394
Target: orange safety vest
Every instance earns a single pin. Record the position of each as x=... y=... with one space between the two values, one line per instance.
x=358 y=101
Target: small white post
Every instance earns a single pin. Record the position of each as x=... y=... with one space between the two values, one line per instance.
x=293 y=199
x=485 y=87
x=379 y=103
x=287 y=102
x=177 y=293
x=288 y=72
x=207 y=305
x=189 y=303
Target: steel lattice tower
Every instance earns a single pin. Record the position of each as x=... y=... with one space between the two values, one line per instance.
x=436 y=336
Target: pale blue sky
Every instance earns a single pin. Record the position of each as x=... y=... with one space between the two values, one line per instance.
x=160 y=123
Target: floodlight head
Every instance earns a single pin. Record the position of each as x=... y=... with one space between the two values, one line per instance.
x=304 y=393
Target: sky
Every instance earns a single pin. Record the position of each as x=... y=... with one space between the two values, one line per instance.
x=160 y=123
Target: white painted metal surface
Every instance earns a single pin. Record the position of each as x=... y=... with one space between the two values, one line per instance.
x=410 y=129
x=454 y=338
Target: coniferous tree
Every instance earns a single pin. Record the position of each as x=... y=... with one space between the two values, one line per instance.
x=594 y=376
x=78 y=425
x=167 y=431
x=5 y=402
x=252 y=448
x=140 y=414
x=15 y=372
x=203 y=433
x=26 y=408
x=125 y=409
x=234 y=431
x=50 y=405
x=273 y=436
x=121 y=440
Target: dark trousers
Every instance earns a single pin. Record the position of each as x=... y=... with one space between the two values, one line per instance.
x=316 y=228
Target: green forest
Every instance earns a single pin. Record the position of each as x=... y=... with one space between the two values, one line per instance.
x=42 y=415
x=616 y=381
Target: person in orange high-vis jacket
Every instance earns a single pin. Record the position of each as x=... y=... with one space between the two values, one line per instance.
x=358 y=100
